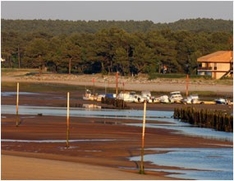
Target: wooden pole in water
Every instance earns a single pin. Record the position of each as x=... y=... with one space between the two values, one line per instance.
x=68 y=121
x=17 y=105
x=143 y=141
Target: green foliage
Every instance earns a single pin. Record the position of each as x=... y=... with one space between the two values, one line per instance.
x=61 y=27
x=198 y=25
x=129 y=47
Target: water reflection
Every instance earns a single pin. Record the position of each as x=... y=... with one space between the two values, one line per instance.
x=81 y=112
x=161 y=119
x=6 y=94
x=188 y=129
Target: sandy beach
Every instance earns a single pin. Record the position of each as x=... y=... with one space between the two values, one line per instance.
x=127 y=83
x=34 y=168
x=100 y=148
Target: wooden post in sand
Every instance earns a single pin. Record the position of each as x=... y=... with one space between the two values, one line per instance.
x=68 y=121
x=17 y=105
x=143 y=141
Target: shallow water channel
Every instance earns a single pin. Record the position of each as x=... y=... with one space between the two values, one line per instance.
x=212 y=164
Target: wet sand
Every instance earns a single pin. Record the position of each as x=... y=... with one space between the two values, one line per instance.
x=98 y=148
x=96 y=142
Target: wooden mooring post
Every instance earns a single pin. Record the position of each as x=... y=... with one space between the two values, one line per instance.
x=142 y=171
x=68 y=119
x=17 y=105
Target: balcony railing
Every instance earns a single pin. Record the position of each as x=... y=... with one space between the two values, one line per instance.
x=204 y=68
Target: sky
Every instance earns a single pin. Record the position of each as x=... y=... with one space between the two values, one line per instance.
x=156 y=11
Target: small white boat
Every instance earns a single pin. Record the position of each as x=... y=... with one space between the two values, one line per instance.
x=164 y=99
x=100 y=97
x=126 y=96
x=192 y=99
x=148 y=97
x=89 y=96
x=138 y=98
x=175 y=97
x=221 y=101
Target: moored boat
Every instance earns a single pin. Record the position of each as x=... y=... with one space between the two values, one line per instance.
x=89 y=96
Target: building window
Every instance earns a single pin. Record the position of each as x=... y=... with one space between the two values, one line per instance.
x=215 y=66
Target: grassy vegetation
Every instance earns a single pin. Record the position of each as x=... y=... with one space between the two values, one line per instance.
x=40 y=87
x=48 y=87
x=63 y=88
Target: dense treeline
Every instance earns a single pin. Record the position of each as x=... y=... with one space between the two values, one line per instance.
x=129 y=47
x=58 y=27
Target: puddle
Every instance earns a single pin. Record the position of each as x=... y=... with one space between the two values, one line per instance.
x=188 y=129
x=82 y=112
x=5 y=94
x=195 y=163
x=25 y=117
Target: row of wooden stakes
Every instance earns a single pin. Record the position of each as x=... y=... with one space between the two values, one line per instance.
x=218 y=120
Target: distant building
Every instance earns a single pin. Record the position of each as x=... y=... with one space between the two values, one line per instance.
x=217 y=65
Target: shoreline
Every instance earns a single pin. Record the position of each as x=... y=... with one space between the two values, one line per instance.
x=130 y=83
x=92 y=158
